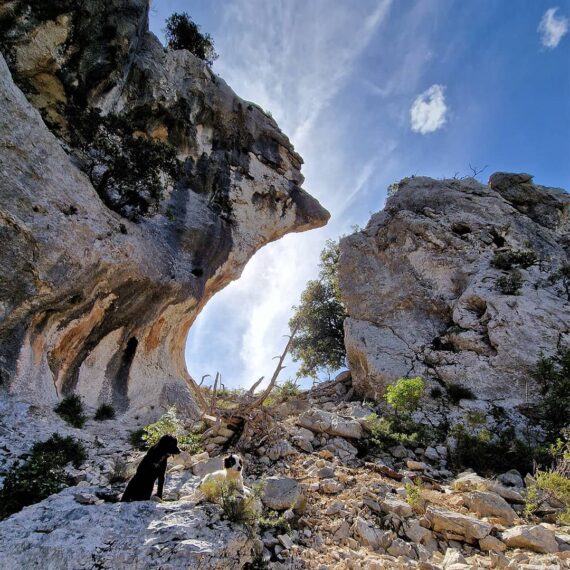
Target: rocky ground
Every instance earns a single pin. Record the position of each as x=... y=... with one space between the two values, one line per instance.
x=344 y=511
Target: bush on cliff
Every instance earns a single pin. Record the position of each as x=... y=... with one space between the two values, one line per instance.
x=182 y=33
x=41 y=475
x=404 y=395
x=319 y=341
x=128 y=169
x=553 y=376
x=71 y=410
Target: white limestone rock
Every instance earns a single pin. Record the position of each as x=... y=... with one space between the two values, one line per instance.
x=60 y=534
x=421 y=295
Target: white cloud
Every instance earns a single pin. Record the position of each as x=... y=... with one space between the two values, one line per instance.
x=428 y=111
x=294 y=58
x=552 y=28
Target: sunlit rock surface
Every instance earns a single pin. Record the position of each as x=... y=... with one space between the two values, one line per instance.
x=422 y=294
x=89 y=300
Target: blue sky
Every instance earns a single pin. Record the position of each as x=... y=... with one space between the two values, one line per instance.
x=371 y=91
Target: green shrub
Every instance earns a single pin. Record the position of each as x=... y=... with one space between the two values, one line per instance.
x=170 y=424
x=241 y=509
x=456 y=393
x=489 y=453
x=553 y=376
x=274 y=521
x=136 y=439
x=104 y=412
x=556 y=485
x=414 y=495
x=387 y=432
x=404 y=395
x=508 y=259
x=436 y=392
x=509 y=284
x=182 y=33
x=288 y=389
x=127 y=169
x=72 y=411
x=41 y=475
x=120 y=473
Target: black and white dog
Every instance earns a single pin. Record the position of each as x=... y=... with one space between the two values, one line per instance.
x=151 y=468
x=231 y=474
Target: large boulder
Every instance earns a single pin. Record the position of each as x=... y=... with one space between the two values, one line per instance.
x=531 y=537
x=320 y=421
x=486 y=504
x=457 y=526
x=93 y=300
x=422 y=293
x=281 y=493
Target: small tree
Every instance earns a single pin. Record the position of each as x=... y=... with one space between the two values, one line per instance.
x=553 y=375
x=182 y=33
x=405 y=394
x=319 y=341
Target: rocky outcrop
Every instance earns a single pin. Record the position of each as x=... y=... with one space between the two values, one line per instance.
x=92 y=298
x=427 y=286
x=61 y=533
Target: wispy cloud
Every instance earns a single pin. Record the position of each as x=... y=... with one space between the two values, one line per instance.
x=428 y=112
x=552 y=28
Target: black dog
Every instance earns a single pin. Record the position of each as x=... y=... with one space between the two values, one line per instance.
x=151 y=468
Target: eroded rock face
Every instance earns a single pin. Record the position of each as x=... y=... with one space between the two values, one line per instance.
x=422 y=293
x=91 y=301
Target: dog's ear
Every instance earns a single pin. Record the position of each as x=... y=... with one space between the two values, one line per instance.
x=229 y=462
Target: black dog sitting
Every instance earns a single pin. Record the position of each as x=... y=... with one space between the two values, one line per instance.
x=151 y=468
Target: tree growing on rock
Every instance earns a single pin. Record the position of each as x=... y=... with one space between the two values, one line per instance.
x=319 y=341
x=182 y=33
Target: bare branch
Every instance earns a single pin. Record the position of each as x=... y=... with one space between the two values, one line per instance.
x=214 y=393
x=476 y=171
x=259 y=401
x=251 y=391
x=203 y=378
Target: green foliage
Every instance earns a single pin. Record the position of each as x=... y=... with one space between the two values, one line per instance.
x=556 y=485
x=436 y=392
x=404 y=395
x=104 y=412
x=41 y=475
x=241 y=509
x=287 y=389
x=387 y=432
x=508 y=259
x=274 y=521
x=456 y=393
x=414 y=495
x=127 y=169
x=136 y=439
x=182 y=33
x=489 y=453
x=120 y=473
x=532 y=501
x=71 y=410
x=553 y=376
x=169 y=423
x=509 y=284
x=319 y=341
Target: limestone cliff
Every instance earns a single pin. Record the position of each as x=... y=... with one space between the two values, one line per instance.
x=93 y=299
x=431 y=286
